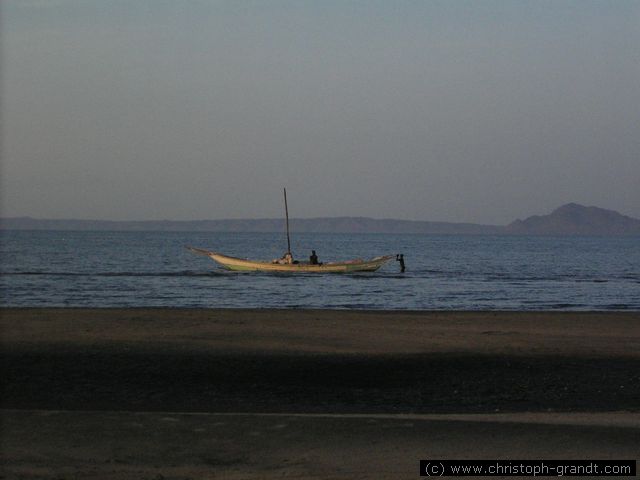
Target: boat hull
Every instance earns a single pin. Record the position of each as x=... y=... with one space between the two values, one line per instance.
x=243 y=265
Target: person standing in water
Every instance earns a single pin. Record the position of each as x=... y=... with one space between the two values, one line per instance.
x=400 y=258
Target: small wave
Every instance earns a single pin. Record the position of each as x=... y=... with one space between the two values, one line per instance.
x=563 y=306
x=185 y=273
x=618 y=306
x=372 y=275
x=551 y=278
x=630 y=277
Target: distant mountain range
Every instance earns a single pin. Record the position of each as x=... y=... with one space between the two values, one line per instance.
x=570 y=219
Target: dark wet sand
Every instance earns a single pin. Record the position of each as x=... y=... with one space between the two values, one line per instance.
x=138 y=393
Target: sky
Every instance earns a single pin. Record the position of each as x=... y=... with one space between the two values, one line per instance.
x=464 y=111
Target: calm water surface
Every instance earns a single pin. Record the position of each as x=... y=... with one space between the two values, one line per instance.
x=144 y=269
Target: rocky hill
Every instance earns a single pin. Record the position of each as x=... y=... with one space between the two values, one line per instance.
x=575 y=219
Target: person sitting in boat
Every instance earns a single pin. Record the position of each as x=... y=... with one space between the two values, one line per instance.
x=313 y=259
x=287 y=259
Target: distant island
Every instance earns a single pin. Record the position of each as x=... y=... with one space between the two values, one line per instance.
x=575 y=219
x=570 y=219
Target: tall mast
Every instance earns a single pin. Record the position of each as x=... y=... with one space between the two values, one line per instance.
x=286 y=210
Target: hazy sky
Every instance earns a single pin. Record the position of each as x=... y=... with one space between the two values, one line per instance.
x=479 y=111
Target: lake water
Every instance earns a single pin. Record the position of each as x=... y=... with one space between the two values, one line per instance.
x=153 y=269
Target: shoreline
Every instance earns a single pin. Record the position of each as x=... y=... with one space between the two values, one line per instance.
x=327 y=331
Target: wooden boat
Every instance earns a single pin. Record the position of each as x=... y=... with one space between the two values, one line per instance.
x=287 y=264
x=244 y=265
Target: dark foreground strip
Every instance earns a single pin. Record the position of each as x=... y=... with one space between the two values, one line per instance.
x=113 y=379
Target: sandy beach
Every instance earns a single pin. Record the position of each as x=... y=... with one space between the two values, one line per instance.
x=173 y=393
